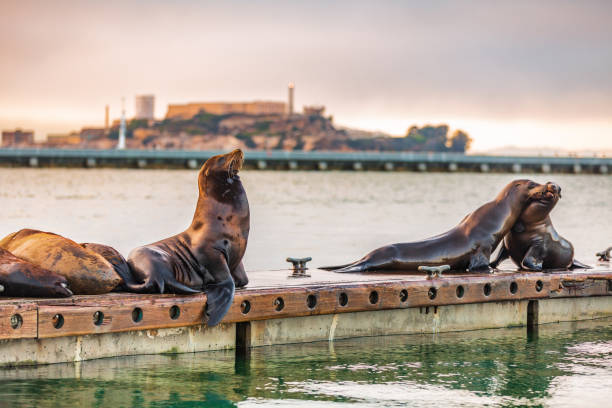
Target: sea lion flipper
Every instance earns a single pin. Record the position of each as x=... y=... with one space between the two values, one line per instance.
x=239 y=275
x=533 y=258
x=502 y=255
x=479 y=262
x=579 y=265
x=220 y=293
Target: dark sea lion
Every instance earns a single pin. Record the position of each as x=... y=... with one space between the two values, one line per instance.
x=19 y=278
x=207 y=256
x=467 y=246
x=533 y=243
x=87 y=272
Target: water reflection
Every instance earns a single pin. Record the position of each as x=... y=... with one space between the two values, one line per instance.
x=493 y=367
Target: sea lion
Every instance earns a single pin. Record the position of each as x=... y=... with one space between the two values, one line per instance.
x=533 y=243
x=19 y=278
x=467 y=246
x=207 y=255
x=87 y=272
x=114 y=258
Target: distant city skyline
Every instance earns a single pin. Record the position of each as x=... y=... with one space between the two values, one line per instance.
x=520 y=73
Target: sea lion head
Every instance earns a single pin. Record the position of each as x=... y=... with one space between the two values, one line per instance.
x=523 y=191
x=541 y=204
x=218 y=177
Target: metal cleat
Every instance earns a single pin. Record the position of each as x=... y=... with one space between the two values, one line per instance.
x=434 y=271
x=604 y=256
x=299 y=267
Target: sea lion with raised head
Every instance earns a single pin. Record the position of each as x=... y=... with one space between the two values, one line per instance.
x=19 y=278
x=207 y=256
x=87 y=272
x=467 y=246
x=533 y=243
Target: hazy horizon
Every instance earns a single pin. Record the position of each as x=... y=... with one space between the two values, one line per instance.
x=524 y=74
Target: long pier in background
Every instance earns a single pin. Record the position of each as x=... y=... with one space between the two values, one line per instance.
x=299 y=160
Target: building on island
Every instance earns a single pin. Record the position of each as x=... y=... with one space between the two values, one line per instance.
x=63 y=139
x=145 y=107
x=189 y=110
x=17 y=137
x=314 y=110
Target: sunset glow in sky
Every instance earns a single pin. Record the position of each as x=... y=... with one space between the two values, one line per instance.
x=517 y=73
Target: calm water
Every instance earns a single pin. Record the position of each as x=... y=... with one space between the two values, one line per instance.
x=334 y=217
x=565 y=365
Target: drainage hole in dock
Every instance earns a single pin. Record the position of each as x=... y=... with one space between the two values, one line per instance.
x=403 y=295
x=175 y=312
x=137 y=314
x=513 y=288
x=311 y=301
x=98 y=318
x=460 y=291
x=435 y=309
x=279 y=304
x=487 y=289
x=16 y=321
x=58 y=321
x=609 y=285
x=432 y=293
x=539 y=285
x=373 y=297
x=245 y=307
x=343 y=299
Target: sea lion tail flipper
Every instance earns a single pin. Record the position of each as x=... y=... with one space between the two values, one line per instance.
x=219 y=298
x=333 y=268
x=579 y=265
x=159 y=286
x=353 y=268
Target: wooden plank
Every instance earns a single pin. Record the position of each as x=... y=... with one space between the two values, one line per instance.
x=90 y=317
x=18 y=321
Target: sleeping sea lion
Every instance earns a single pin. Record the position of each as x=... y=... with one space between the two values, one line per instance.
x=467 y=246
x=87 y=272
x=533 y=243
x=207 y=255
x=19 y=278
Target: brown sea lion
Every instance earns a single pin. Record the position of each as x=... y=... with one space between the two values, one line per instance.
x=533 y=243
x=467 y=246
x=19 y=278
x=114 y=258
x=87 y=272
x=207 y=255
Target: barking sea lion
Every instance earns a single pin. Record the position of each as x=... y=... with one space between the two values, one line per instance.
x=533 y=243
x=207 y=255
x=467 y=246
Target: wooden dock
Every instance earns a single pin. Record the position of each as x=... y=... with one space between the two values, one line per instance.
x=278 y=307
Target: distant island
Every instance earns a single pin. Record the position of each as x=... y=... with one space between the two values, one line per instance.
x=206 y=131
x=257 y=125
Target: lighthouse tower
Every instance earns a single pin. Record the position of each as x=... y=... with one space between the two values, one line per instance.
x=121 y=143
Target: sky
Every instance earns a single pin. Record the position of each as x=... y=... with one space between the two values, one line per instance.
x=515 y=73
